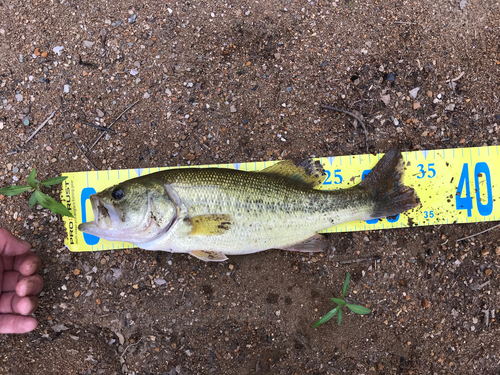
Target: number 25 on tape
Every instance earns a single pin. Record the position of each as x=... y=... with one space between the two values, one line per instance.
x=466 y=202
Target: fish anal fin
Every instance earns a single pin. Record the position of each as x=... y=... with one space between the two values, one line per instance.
x=209 y=256
x=306 y=171
x=210 y=225
x=315 y=243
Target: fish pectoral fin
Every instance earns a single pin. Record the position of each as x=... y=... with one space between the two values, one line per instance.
x=306 y=171
x=315 y=243
x=209 y=256
x=210 y=225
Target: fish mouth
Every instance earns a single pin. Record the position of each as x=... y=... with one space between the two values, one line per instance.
x=106 y=217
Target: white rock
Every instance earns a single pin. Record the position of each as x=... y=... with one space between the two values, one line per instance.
x=414 y=92
x=58 y=50
x=88 y=43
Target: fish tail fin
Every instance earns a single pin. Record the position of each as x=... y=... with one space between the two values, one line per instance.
x=384 y=182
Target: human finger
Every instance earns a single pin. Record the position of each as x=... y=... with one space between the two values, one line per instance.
x=10 y=323
x=29 y=286
x=27 y=264
x=11 y=303
x=10 y=245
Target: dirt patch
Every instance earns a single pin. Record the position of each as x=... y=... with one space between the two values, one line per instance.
x=238 y=82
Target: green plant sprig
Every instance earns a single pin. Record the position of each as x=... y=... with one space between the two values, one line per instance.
x=358 y=309
x=37 y=196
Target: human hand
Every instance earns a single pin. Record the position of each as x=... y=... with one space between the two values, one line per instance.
x=18 y=284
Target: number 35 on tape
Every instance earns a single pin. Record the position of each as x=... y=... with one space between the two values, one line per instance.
x=454 y=185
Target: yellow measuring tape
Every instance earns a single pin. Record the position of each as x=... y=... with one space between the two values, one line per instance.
x=454 y=185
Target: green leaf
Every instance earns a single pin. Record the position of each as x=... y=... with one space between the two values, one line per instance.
x=53 y=181
x=346 y=284
x=338 y=301
x=31 y=178
x=330 y=314
x=339 y=316
x=52 y=204
x=14 y=189
x=34 y=198
x=358 y=309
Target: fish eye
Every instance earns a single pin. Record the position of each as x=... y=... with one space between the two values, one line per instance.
x=117 y=194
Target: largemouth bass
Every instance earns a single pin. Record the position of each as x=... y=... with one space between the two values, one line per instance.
x=214 y=212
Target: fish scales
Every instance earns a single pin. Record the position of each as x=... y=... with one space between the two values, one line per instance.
x=266 y=211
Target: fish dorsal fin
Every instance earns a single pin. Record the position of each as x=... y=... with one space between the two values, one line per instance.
x=210 y=225
x=307 y=171
x=209 y=256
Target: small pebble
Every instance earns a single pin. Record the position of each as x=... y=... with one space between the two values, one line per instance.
x=134 y=72
x=58 y=50
x=21 y=58
x=132 y=19
x=88 y=43
x=66 y=89
x=19 y=97
x=414 y=92
x=15 y=169
x=416 y=105
x=232 y=109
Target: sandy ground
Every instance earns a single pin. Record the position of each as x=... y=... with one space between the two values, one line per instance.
x=221 y=82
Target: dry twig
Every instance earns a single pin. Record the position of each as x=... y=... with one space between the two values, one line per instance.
x=134 y=344
x=477 y=234
x=102 y=128
x=40 y=127
x=359 y=260
x=352 y=115
x=73 y=136
x=114 y=122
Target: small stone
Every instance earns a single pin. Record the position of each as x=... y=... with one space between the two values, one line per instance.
x=19 y=97
x=76 y=272
x=416 y=105
x=146 y=95
x=1 y=125
x=497 y=251
x=386 y=98
x=88 y=44
x=44 y=54
x=159 y=281
x=426 y=303
x=488 y=272
x=66 y=89
x=37 y=52
x=133 y=72
x=429 y=94
x=21 y=58
x=58 y=50
x=277 y=56
x=190 y=156
x=99 y=112
x=232 y=109
x=414 y=92
x=9 y=168
x=132 y=19
x=248 y=63
x=53 y=160
x=463 y=3
x=450 y=107
x=77 y=293
x=15 y=170
x=390 y=77
x=135 y=286
x=48 y=148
